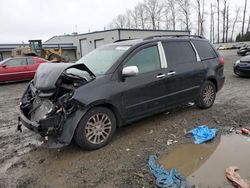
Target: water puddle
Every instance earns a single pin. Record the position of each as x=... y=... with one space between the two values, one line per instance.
x=204 y=165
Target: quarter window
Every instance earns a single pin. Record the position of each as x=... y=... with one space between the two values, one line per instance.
x=179 y=52
x=204 y=50
x=146 y=60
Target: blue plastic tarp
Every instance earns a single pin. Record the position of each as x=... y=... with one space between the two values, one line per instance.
x=165 y=178
x=202 y=134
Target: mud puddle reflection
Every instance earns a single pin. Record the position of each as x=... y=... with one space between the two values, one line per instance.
x=204 y=165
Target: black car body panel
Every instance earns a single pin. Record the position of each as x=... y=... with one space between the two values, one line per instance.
x=56 y=100
x=242 y=67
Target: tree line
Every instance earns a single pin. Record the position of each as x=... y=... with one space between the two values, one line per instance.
x=217 y=19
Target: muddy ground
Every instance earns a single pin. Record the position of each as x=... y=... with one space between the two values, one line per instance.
x=122 y=163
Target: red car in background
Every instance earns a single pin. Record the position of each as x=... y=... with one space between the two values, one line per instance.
x=19 y=68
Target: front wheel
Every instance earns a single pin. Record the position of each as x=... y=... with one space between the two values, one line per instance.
x=95 y=129
x=207 y=95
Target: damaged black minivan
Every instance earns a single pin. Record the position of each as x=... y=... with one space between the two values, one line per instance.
x=117 y=84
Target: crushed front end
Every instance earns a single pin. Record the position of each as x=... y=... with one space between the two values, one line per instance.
x=47 y=106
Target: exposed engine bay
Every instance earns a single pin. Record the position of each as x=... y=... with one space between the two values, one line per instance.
x=49 y=103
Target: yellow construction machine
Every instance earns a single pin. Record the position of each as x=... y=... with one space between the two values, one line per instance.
x=35 y=48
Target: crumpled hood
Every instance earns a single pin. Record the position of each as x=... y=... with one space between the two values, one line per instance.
x=47 y=74
x=245 y=59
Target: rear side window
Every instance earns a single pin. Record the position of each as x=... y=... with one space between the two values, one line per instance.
x=204 y=50
x=179 y=52
x=146 y=60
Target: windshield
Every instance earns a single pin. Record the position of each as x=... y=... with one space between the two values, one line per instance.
x=102 y=59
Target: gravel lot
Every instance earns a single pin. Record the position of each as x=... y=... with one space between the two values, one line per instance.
x=122 y=163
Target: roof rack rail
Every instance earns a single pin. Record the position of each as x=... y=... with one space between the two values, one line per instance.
x=120 y=40
x=159 y=36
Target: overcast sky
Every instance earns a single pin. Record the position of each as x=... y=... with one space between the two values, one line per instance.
x=21 y=20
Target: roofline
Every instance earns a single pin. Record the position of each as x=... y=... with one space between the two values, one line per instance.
x=9 y=47
x=121 y=29
x=15 y=44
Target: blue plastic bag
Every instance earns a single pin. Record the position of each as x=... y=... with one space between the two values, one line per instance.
x=202 y=134
x=165 y=178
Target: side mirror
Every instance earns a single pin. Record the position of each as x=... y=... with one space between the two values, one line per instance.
x=130 y=71
x=4 y=66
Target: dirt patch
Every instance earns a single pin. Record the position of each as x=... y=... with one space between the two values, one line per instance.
x=122 y=163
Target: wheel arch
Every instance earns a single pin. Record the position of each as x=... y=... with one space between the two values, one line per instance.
x=110 y=107
x=214 y=81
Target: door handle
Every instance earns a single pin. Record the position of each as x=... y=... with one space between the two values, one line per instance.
x=171 y=73
x=160 y=75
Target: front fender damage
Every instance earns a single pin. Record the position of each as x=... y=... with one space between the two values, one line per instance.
x=68 y=131
x=54 y=121
x=49 y=108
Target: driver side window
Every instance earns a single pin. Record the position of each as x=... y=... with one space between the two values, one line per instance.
x=146 y=60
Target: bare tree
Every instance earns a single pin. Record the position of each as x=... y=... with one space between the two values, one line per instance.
x=244 y=17
x=227 y=24
x=213 y=26
x=224 y=20
x=236 y=19
x=202 y=18
x=119 y=22
x=166 y=18
x=200 y=14
x=128 y=18
x=158 y=20
x=142 y=15
x=248 y=25
x=134 y=14
x=218 y=21
x=159 y=16
x=184 y=7
x=152 y=7
x=171 y=6
x=211 y=23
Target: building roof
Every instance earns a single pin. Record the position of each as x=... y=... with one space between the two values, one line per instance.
x=9 y=47
x=109 y=30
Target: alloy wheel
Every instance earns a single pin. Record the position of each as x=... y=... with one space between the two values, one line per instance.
x=208 y=95
x=98 y=128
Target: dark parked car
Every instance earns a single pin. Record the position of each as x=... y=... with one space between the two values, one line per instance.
x=245 y=50
x=242 y=67
x=19 y=68
x=118 y=84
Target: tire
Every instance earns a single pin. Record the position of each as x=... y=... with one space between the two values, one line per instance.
x=207 y=95
x=90 y=133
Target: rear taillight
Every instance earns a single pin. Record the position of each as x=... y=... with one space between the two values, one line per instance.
x=221 y=60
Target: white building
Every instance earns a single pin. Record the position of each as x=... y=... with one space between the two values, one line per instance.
x=87 y=42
